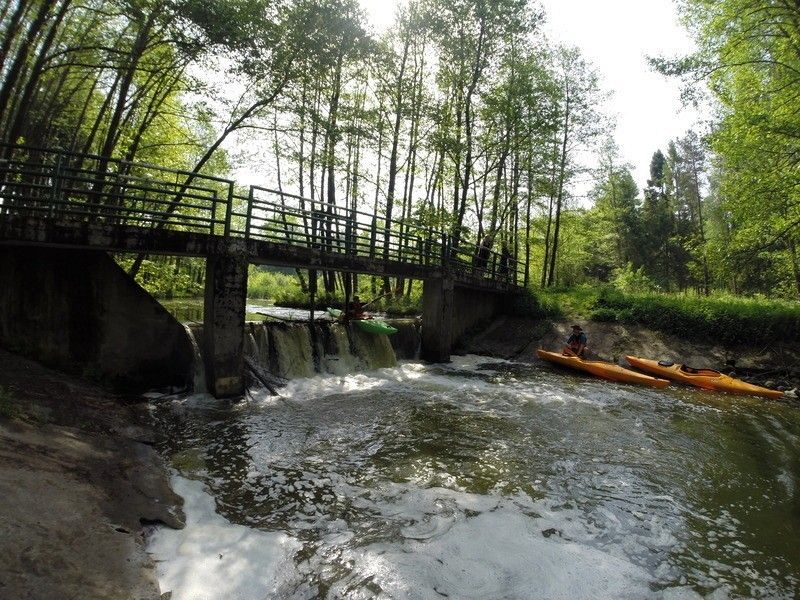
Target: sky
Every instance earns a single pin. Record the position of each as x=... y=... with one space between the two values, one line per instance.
x=616 y=36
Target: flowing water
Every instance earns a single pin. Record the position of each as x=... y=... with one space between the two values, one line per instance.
x=482 y=479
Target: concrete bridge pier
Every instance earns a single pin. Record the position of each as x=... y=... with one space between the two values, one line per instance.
x=224 y=314
x=437 y=319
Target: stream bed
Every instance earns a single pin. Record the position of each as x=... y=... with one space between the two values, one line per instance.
x=481 y=479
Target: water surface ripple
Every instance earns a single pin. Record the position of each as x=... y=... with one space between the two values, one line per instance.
x=487 y=479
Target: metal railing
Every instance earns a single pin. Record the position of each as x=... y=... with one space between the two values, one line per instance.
x=84 y=187
x=70 y=187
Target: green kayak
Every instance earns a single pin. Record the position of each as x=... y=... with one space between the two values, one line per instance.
x=373 y=326
x=368 y=325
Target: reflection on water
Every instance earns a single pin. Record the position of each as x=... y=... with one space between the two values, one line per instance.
x=480 y=480
x=190 y=310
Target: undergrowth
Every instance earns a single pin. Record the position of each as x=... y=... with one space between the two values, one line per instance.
x=724 y=318
x=727 y=319
x=396 y=306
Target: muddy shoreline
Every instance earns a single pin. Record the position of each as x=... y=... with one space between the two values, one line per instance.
x=79 y=481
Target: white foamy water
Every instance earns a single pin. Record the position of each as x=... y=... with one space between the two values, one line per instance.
x=454 y=545
x=481 y=479
x=213 y=559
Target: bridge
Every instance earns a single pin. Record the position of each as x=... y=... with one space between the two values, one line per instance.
x=55 y=199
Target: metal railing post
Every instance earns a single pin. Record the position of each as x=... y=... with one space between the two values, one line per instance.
x=213 y=219
x=249 y=213
x=56 y=190
x=228 y=211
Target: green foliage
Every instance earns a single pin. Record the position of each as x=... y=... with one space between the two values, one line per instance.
x=724 y=319
x=168 y=277
x=629 y=279
x=273 y=285
x=575 y=302
x=603 y=315
x=394 y=305
x=748 y=55
x=401 y=307
x=534 y=305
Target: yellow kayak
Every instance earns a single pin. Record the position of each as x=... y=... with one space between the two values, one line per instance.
x=602 y=369
x=707 y=379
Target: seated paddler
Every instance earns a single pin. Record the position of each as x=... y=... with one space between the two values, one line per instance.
x=356 y=312
x=576 y=343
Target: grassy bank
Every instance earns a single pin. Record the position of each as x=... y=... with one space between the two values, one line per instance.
x=727 y=319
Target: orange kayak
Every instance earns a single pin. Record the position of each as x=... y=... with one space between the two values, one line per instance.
x=602 y=369
x=707 y=379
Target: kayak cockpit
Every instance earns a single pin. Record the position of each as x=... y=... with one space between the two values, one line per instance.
x=687 y=370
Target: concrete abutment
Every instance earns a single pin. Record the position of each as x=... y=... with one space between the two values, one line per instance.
x=450 y=311
x=437 y=319
x=79 y=311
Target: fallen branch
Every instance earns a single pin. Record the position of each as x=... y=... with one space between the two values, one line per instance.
x=254 y=371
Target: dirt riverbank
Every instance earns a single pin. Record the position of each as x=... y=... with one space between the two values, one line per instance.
x=78 y=478
x=775 y=366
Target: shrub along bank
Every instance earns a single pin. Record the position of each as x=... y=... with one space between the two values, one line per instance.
x=727 y=319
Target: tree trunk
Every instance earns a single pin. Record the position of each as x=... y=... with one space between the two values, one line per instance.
x=23 y=105
x=15 y=70
x=790 y=244
x=560 y=196
x=550 y=205
x=398 y=114
x=13 y=29
x=332 y=135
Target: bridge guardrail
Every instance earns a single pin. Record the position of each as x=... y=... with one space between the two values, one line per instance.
x=84 y=187
x=73 y=187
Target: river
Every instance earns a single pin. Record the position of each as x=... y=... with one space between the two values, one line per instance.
x=482 y=479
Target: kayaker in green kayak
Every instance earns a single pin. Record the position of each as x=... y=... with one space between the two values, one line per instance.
x=576 y=343
x=356 y=311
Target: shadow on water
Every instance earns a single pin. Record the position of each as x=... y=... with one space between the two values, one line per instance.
x=692 y=488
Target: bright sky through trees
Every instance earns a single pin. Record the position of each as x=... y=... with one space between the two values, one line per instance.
x=617 y=36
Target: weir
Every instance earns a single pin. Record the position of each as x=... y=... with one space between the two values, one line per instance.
x=293 y=350
x=449 y=312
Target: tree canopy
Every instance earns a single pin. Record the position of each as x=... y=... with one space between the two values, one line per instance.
x=461 y=116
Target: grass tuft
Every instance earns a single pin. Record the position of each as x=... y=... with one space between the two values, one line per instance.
x=7 y=407
x=726 y=319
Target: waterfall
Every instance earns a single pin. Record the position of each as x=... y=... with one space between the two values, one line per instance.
x=291 y=354
x=288 y=350
x=375 y=351
x=407 y=341
x=251 y=346
x=336 y=356
x=198 y=366
x=262 y=341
